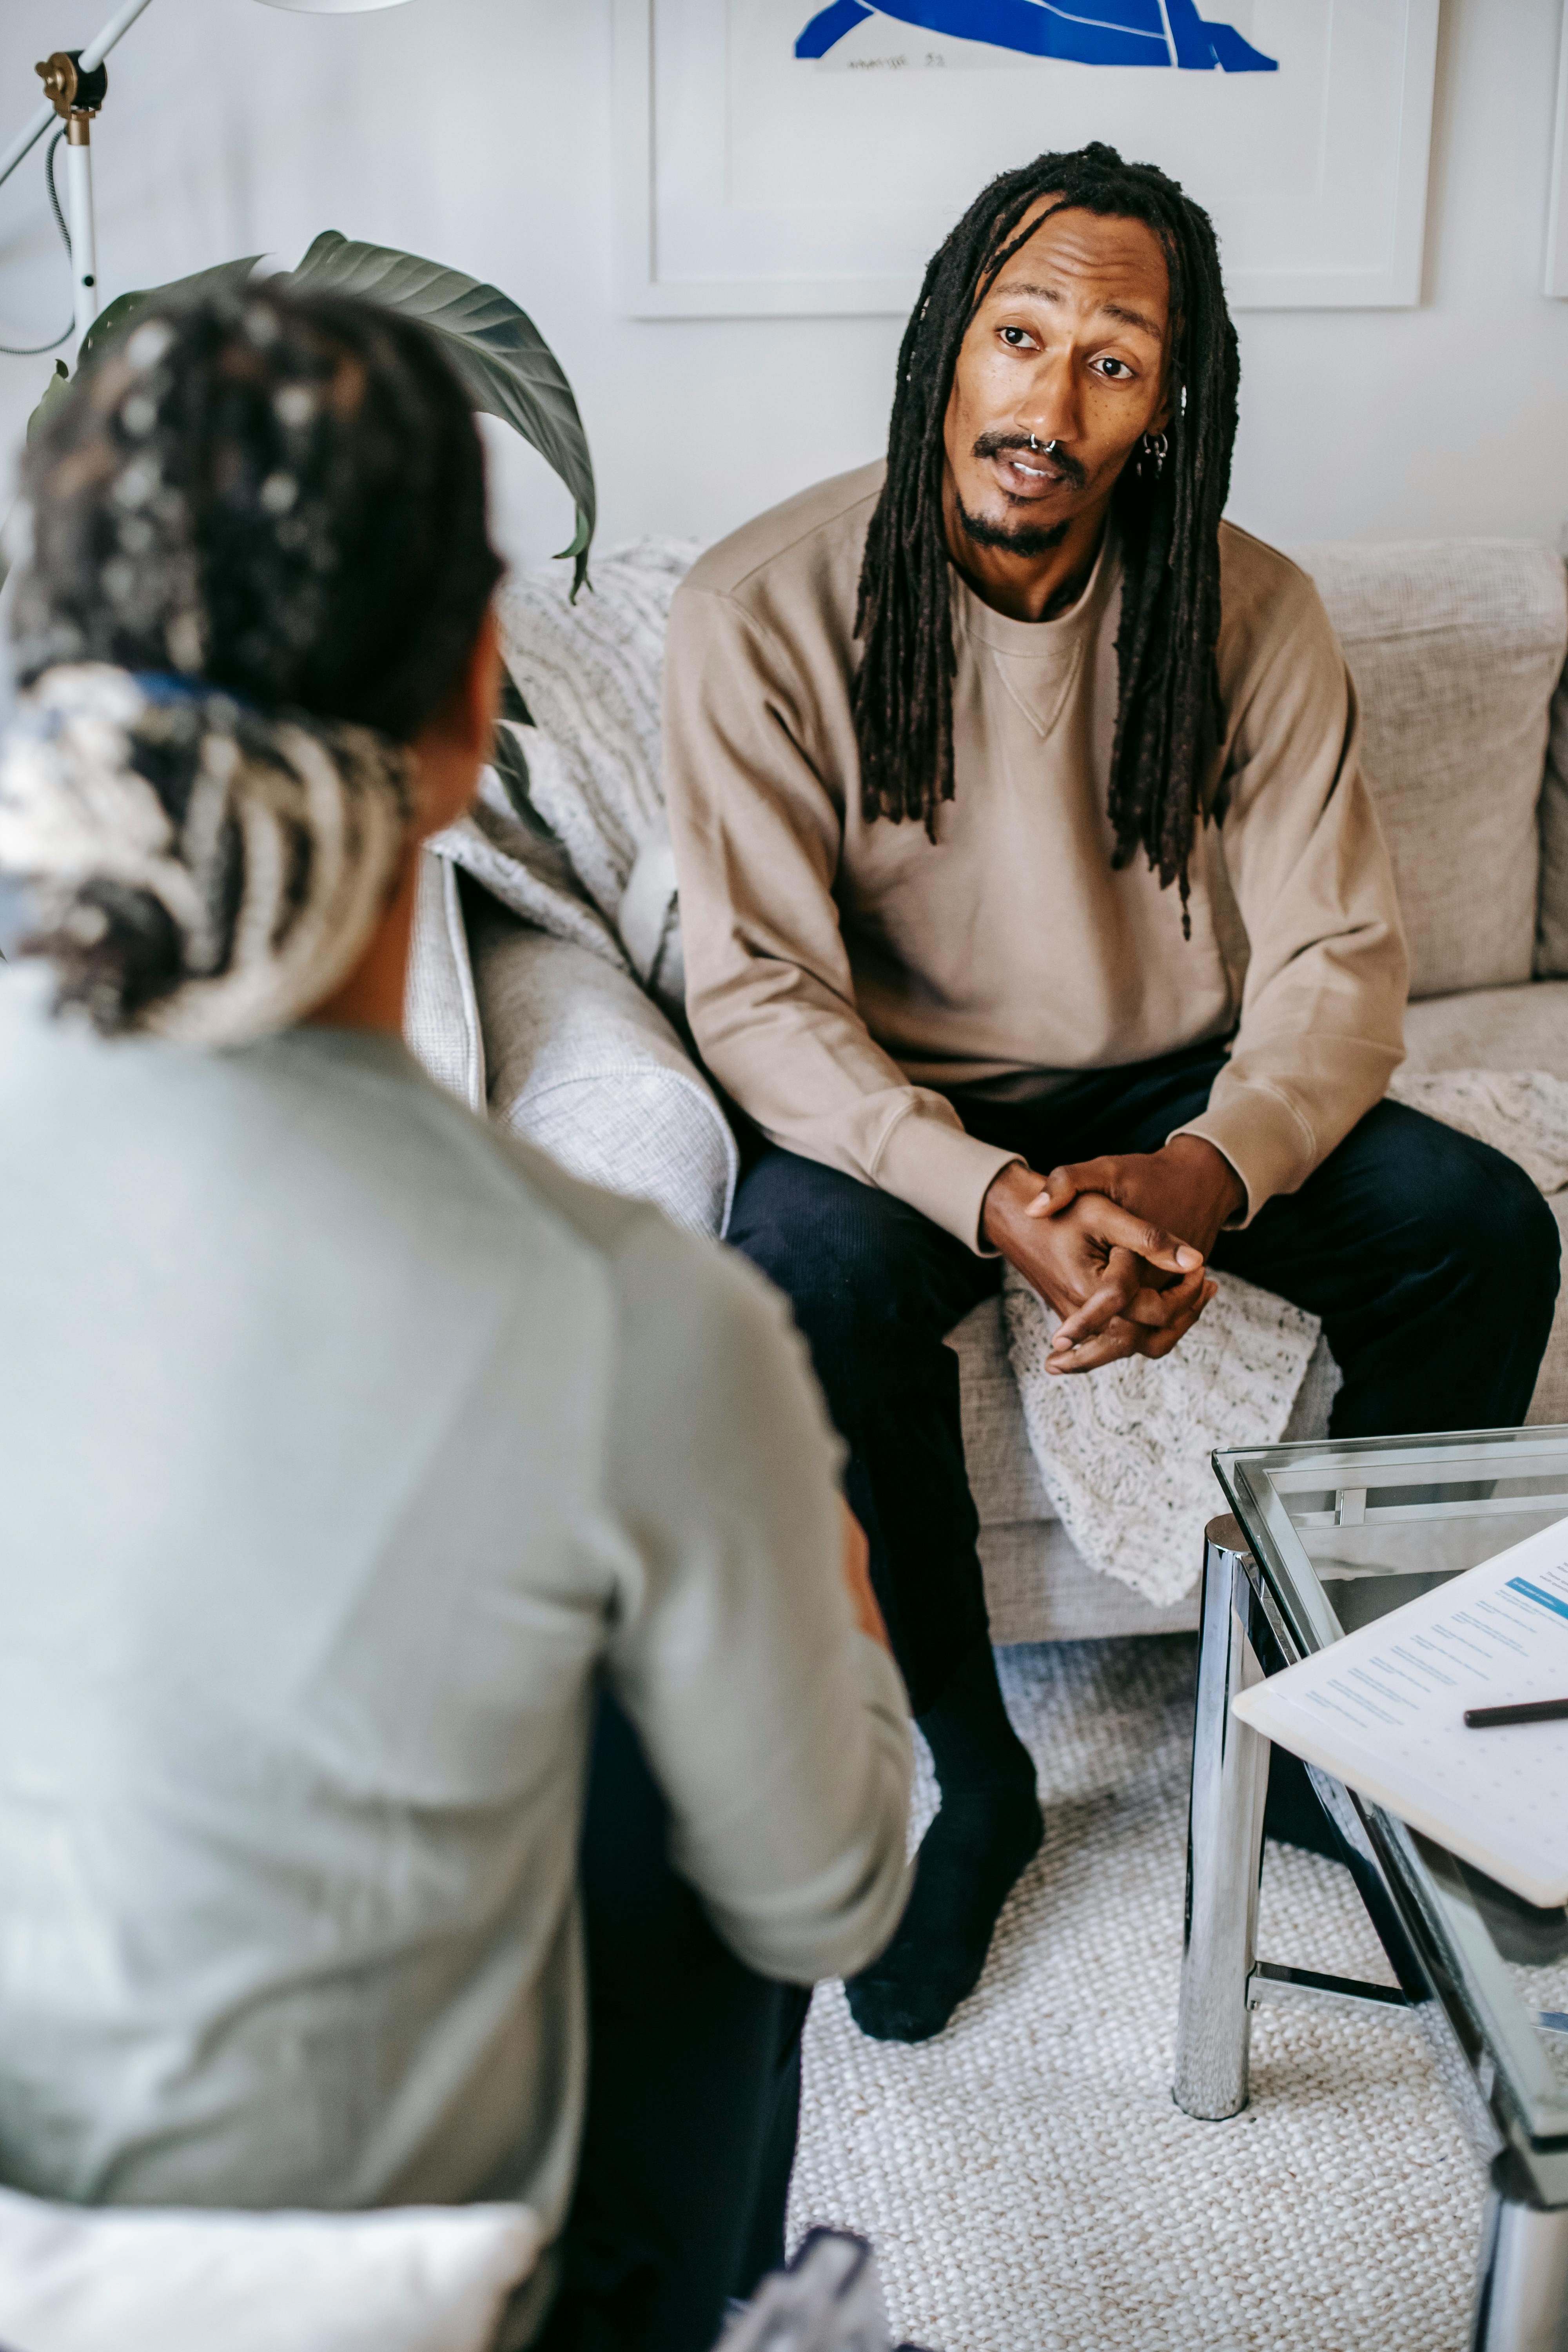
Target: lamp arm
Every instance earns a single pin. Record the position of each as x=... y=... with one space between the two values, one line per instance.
x=97 y=50
x=91 y=57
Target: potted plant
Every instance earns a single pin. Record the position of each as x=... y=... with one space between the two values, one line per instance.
x=507 y=367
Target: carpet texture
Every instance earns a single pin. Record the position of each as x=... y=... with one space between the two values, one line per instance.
x=1029 y=2183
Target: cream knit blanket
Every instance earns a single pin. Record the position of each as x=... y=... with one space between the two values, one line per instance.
x=1123 y=1453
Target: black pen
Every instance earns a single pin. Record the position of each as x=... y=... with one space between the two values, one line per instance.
x=1535 y=1710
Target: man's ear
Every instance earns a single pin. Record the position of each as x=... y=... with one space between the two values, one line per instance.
x=1169 y=401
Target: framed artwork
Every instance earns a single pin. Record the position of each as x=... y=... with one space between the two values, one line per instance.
x=779 y=157
x=1557 y=214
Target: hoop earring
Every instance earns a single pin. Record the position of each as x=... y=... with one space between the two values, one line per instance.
x=1157 y=446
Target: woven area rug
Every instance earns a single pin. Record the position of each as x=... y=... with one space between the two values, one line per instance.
x=1027 y=2178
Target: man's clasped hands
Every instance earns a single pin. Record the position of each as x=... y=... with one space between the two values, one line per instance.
x=1119 y=1246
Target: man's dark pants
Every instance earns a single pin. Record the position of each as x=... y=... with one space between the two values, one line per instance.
x=693 y=2090
x=1431 y=1260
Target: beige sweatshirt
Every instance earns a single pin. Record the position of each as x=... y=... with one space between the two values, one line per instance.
x=840 y=973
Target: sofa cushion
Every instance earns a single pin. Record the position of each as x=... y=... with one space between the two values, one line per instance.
x=1491 y=1029
x=585 y=1065
x=1552 y=927
x=1456 y=647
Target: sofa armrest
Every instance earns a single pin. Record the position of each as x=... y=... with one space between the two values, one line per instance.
x=440 y=1017
x=583 y=1064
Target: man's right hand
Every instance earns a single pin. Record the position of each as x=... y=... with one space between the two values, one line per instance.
x=1092 y=1261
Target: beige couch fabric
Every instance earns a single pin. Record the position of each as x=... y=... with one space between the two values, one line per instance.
x=1491 y=1029
x=1456 y=647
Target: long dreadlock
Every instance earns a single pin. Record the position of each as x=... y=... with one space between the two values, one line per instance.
x=1167 y=711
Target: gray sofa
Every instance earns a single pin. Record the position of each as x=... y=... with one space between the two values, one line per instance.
x=1458 y=650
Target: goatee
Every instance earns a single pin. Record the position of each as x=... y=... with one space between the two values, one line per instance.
x=1026 y=539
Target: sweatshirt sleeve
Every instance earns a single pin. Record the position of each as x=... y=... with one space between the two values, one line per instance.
x=778 y=1731
x=755 y=789
x=1322 y=1027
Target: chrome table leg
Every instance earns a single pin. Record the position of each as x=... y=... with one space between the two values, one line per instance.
x=1224 y=1837
x=1522 y=2303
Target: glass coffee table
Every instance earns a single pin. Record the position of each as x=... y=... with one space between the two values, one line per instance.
x=1323 y=1538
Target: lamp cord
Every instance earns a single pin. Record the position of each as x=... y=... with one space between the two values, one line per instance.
x=53 y=195
x=35 y=351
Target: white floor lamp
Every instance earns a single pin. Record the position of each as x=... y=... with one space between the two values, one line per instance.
x=77 y=81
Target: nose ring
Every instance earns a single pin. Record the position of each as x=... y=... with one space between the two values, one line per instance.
x=1046 y=448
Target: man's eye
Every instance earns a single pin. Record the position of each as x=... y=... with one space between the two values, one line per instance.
x=1015 y=338
x=1120 y=366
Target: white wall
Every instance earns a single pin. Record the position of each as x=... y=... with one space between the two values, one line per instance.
x=478 y=132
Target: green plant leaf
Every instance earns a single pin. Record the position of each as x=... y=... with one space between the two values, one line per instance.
x=55 y=391
x=113 y=320
x=506 y=365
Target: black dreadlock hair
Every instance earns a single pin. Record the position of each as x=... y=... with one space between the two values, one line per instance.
x=1167 y=713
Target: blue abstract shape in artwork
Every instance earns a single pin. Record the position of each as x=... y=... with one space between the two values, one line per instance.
x=1086 y=32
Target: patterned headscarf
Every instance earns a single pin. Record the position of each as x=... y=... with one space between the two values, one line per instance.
x=192 y=867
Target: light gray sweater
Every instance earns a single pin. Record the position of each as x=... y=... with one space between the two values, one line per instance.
x=341 y=1445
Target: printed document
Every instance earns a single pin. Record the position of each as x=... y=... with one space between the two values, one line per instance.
x=1384 y=1711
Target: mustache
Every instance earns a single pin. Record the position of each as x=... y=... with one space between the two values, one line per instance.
x=992 y=444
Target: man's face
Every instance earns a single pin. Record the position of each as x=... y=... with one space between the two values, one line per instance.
x=1070 y=346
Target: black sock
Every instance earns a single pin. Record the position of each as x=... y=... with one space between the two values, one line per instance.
x=988 y=1829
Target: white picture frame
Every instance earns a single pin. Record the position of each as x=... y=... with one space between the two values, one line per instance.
x=1557 y=204
x=699 y=124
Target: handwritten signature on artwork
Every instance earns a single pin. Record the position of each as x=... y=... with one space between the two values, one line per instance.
x=1086 y=32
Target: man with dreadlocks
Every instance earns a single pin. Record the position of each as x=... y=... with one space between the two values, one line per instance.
x=940 y=739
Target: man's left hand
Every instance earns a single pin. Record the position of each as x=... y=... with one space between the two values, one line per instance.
x=1188 y=1187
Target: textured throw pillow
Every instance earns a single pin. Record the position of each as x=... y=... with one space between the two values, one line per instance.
x=590 y=676
x=417 y=2279
x=1456 y=647
x=1552 y=929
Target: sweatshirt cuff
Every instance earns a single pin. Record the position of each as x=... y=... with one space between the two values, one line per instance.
x=1265 y=1138
x=927 y=1161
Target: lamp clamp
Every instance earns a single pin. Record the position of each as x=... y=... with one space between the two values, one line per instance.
x=75 y=96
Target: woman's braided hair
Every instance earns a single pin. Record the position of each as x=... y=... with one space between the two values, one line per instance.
x=1167 y=712
x=260 y=569
x=280 y=493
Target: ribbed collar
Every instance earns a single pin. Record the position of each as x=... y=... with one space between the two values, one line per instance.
x=1042 y=641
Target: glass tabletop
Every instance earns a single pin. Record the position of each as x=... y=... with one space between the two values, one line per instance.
x=1343 y=1533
